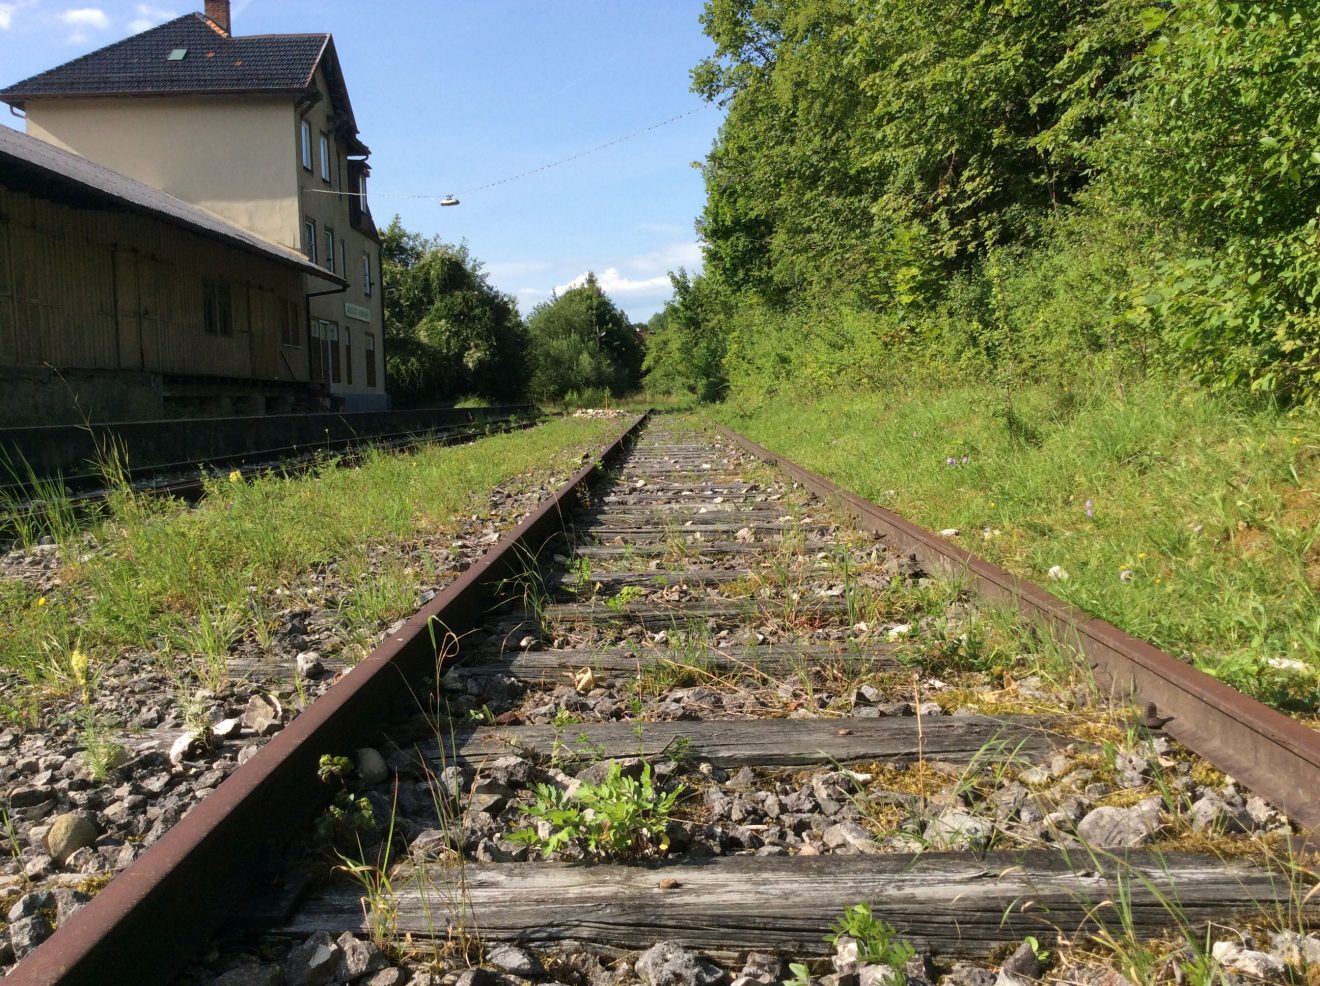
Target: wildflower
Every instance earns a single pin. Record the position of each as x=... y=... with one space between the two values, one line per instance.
x=965 y=458
x=41 y=600
x=1089 y=511
x=1125 y=574
x=1141 y=556
x=950 y=461
x=235 y=476
x=1058 y=573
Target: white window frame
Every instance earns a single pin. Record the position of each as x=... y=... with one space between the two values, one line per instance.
x=306 y=142
x=325 y=158
x=366 y=273
x=309 y=234
x=329 y=249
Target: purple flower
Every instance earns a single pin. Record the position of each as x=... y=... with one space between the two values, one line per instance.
x=1089 y=511
x=950 y=461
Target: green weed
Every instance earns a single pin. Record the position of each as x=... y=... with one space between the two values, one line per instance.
x=619 y=818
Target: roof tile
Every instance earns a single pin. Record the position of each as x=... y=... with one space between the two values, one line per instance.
x=215 y=63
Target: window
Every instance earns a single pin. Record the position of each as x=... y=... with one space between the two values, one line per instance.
x=366 y=274
x=306 y=145
x=369 y=343
x=325 y=159
x=289 y=325
x=330 y=249
x=348 y=355
x=317 y=354
x=217 y=308
x=309 y=239
x=330 y=345
x=362 y=193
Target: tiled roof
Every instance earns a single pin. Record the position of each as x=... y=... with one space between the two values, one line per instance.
x=38 y=168
x=214 y=62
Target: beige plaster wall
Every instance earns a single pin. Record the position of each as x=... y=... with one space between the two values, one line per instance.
x=237 y=157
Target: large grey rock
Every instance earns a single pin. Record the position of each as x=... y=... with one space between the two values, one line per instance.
x=516 y=960
x=1210 y=813
x=262 y=714
x=371 y=766
x=966 y=974
x=766 y=967
x=958 y=830
x=510 y=771
x=313 y=963
x=251 y=974
x=1020 y=968
x=598 y=771
x=478 y=977
x=1247 y=961
x=28 y=933
x=393 y=976
x=69 y=833
x=1111 y=828
x=878 y=975
x=852 y=835
x=668 y=963
x=358 y=958
x=1295 y=950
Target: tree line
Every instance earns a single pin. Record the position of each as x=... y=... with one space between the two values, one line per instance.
x=451 y=334
x=1006 y=189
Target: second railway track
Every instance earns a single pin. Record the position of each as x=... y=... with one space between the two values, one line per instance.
x=799 y=717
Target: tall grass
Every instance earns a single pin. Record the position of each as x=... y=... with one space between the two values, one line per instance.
x=1184 y=518
x=191 y=581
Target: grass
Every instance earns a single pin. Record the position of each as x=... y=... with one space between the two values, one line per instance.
x=182 y=580
x=1176 y=515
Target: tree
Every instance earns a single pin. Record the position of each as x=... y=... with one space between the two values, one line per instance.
x=450 y=333
x=580 y=341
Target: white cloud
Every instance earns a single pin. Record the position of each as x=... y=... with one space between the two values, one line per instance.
x=647 y=273
x=149 y=16
x=7 y=15
x=640 y=283
x=612 y=282
x=80 y=17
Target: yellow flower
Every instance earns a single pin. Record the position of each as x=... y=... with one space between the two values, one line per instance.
x=41 y=600
x=235 y=476
x=1141 y=554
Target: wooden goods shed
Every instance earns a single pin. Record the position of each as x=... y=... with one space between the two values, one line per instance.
x=119 y=300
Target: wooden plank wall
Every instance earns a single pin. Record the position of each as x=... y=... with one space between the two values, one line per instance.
x=82 y=288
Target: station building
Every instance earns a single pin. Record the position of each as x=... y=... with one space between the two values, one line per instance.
x=258 y=132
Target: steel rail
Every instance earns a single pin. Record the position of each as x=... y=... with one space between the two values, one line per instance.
x=155 y=915
x=1277 y=757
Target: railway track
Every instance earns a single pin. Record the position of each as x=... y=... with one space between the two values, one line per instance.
x=23 y=507
x=782 y=714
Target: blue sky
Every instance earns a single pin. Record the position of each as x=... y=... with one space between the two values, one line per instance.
x=453 y=95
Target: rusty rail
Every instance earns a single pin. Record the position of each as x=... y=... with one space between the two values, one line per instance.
x=1276 y=756
x=152 y=918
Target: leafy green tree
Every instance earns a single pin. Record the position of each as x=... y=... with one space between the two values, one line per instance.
x=688 y=341
x=1220 y=140
x=449 y=332
x=580 y=341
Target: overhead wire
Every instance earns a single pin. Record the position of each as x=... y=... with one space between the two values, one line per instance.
x=522 y=174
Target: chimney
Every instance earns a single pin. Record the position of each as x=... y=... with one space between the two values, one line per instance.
x=218 y=11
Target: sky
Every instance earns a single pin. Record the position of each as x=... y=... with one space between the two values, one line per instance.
x=454 y=96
